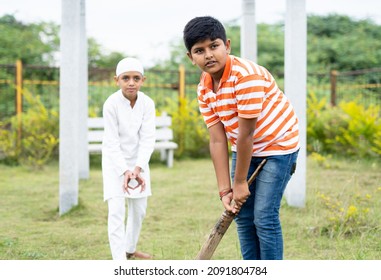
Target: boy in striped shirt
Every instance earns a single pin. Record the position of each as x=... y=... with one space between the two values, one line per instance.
x=241 y=103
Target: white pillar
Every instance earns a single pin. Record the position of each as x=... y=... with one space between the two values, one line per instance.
x=69 y=91
x=248 y=31
x=83 y=152
x=295 y=76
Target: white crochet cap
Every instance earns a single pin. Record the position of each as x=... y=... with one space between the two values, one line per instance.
x=129 y=64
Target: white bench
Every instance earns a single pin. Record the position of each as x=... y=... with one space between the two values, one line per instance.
x=164 y=137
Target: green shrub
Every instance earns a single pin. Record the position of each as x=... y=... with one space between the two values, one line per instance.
x=349 y=128
x=39 y=135
x=189 y=129
x=377 y=143
x=347 y=218
x=324 y=161
x=322 y=124
x=363 y=124
x=9 y=147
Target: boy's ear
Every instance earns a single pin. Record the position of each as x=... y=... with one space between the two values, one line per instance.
x=116 y=79
x=227 y=45
x=191 y=58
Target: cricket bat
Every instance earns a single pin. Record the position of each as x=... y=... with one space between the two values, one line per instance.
x=221 y=226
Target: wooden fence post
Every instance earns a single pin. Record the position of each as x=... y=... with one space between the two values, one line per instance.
x=19 y=99
x=181 y=81
x=181 y=134
x=333 y=79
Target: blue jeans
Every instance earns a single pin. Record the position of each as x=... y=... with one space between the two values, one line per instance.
x=258 y=225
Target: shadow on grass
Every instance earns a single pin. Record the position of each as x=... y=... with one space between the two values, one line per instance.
x=78 y=211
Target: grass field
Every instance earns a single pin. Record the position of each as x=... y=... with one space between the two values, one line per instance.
x=341 y=219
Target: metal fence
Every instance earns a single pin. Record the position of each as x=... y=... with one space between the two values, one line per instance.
x=165 y=86
x=363 y=86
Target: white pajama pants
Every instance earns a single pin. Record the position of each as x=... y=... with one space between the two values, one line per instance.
x=123 y=237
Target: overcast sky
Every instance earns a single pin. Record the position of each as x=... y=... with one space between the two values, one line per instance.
x=144 y=28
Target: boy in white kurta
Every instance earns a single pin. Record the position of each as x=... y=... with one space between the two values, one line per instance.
x=128 y=142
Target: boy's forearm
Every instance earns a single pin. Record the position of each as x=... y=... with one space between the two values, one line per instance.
x=244 y=148
x=220 y=157
x=244 y=154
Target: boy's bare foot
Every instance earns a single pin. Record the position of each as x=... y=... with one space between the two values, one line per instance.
x=139 y=255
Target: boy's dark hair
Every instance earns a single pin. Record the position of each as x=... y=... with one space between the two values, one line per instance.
x=201 y=28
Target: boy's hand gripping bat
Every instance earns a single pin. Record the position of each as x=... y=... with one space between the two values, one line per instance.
x=221 y=226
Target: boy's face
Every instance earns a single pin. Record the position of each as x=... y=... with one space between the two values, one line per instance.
x=210 y=56
x=130 y=83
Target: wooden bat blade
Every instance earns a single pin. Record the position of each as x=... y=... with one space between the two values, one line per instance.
x=215 y=236
x=221 y=226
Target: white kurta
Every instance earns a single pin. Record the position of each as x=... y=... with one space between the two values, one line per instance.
x=128 y=141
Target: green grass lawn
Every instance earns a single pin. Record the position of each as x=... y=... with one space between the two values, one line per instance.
x=341 y=219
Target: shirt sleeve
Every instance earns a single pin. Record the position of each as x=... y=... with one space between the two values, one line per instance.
x=147 y=134
x=210 y=118
x=111 y=148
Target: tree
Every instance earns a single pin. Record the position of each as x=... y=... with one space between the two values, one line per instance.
x=100 y=58
x=39 y=43
x=333 y=42
x=341 y=43
x=35 y=43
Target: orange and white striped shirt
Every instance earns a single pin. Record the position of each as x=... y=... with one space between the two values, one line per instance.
x=248 y=90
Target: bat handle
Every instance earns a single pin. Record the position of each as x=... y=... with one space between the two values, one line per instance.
x=255 y=173
x=249 y=182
